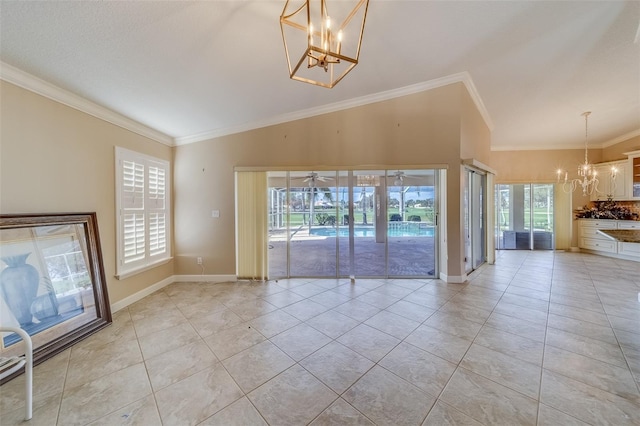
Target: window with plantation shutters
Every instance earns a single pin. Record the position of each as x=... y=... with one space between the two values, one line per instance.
x=142 y=203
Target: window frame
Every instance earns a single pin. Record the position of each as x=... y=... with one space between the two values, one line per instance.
x=155 y=202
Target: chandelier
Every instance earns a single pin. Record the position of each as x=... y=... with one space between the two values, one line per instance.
x=322 y=47
x=587 y=174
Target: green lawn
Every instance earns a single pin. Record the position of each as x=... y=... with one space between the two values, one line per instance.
x=541 y=221
x=426 y=215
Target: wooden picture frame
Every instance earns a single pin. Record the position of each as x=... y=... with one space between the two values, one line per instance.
x=52 y=282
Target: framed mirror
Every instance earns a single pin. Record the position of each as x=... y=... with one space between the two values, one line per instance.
x=52 y=282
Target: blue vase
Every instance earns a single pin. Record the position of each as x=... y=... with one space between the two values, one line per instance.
x=19 y=287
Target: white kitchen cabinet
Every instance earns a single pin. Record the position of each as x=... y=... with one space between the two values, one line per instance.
x=628 y=224
x=608 y=187
x=629 y=249
x=591 y=240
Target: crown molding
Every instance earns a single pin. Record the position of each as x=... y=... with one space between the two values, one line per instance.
x=539 y=147
x=462 y=77
x=36 y=85
x=622 y=138
x=606 y=144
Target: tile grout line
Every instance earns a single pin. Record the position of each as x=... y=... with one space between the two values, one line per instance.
x=458 y=366
x=616 y=337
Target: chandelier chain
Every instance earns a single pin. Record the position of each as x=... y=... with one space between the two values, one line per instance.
x=586 y=135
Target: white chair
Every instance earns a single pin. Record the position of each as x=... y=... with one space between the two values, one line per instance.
x=27 y=361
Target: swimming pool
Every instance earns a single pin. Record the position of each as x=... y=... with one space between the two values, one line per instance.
x=394 y=230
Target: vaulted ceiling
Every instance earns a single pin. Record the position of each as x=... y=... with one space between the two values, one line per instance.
x=196 y=69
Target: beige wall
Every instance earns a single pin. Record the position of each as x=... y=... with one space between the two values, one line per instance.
x=616 y=152
x=56 y=159
x=475 y=136
x=419 y=129
x=538 y=166
x=541 y=166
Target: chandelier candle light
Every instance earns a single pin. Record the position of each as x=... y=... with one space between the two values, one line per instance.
x=588 y=176
x=328 y=45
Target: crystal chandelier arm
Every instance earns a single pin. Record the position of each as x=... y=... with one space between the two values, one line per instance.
x=587 y=175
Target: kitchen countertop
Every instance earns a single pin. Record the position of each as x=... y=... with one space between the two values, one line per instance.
x=622 y=235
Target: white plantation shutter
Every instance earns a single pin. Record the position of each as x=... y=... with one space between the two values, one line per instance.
x=157 y=234
x=133 y=236
x=142 y=205
x=132 y=184
x=157 y=217
x=157 y=187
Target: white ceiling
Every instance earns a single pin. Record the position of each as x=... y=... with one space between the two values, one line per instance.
x=192 y=69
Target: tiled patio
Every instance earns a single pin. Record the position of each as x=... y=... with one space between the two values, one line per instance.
x=316 y=257
x=540 y=338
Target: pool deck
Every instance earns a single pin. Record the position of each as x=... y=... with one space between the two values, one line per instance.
x=315 y=256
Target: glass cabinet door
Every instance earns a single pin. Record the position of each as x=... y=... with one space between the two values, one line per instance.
x=635 y=175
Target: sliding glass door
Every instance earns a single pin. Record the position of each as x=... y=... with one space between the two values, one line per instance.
x=475 y=212
x=364 y=223
x=411 y=214
x=312 y=224
x=524 y=217
x=278 y=223
x=369 y=224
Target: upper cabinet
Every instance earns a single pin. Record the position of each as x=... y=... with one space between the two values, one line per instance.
x=612 y=181
x=633 y=180
x=626 y=183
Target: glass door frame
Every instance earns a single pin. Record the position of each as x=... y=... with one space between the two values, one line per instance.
x=380 y=197
x=498 y=210
x=473 y=216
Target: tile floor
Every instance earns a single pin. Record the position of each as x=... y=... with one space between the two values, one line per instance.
x=541 y=338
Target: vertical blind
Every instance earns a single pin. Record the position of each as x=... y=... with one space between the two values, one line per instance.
x=563 y=217
x=252 y=225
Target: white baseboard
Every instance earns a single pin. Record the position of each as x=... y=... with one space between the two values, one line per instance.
x=205 y=278
x=115 y=307
x=121 y=304
x=454 y=279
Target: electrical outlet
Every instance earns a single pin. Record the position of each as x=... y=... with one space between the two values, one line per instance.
x=199 y=261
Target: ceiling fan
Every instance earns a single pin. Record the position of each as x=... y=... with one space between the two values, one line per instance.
x=399 y=178
x=313 y=177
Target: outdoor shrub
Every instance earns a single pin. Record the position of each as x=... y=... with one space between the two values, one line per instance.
x=415 y=218
x=324 y=219
x=395 y=217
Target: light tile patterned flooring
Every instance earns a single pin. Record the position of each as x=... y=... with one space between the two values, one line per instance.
x=540 y=338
